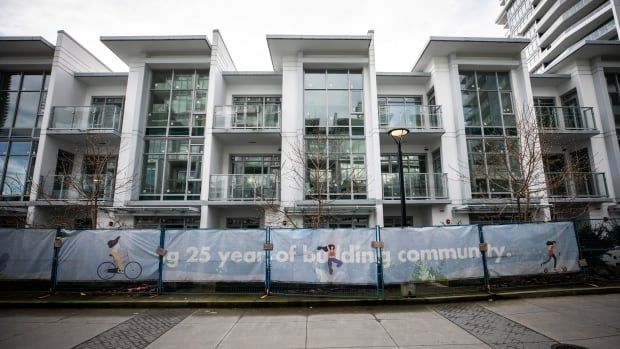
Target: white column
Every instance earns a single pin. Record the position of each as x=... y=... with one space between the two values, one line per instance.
x=373 y=143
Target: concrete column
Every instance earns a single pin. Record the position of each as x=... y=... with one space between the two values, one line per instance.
x=373 y=145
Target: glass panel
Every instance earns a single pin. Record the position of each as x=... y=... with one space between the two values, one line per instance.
x=315 y=108
x=178 y=146
x=486 y=81
x=470 y=109
x=468 y=80
x=15 y=176
x=183 y=80
x=507 y=103
x=154 y=146
x=27 y=111
x=10 y=81
x=47 y=82
x=4 y=148
x=357 y=105
x=8 y=102
x=314 y=80
x=20 y=148
x=181 y=108
x=176 y=174
x=337 y=80
x=200 y=103
x=355 y=81
x=152 y=174
x=202 y=80
x=338 y=105
x=195 y=167
x=490 y=109
x=162 y=80
x=160 y=104
x=32 y=82
x=504 y=81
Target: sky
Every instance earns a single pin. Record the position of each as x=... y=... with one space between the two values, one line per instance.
x=402 y=27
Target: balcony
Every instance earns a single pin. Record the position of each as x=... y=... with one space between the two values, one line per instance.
x=79 y=188
x=425 y=118
x=247 y=118
x=577 y=186
x=244 y=187
x=418 y=186
x=73 y=119
x=572 y=122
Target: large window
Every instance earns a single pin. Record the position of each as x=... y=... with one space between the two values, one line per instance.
x=178 y=103
x=174 y=144
x=22 y=100
x=334 y=102
x=172 y=169
x=490 y=126
x=255 y=164
x=613 y=87
x=256 y=111
x=335 y=169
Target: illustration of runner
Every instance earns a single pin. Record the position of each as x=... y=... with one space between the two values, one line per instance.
x=331 y=257
x=115 y=252
x=550 y=254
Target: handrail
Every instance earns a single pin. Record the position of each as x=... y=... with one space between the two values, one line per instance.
x=248 y=116
x=411 y=116
x=244 y=187
x=106 y=117
x=417 y=186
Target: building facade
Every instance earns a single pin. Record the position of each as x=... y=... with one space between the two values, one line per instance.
x=184 y=139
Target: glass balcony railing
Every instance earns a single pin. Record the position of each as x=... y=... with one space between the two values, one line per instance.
x=247 y=117
x=565 y=118
x=577 y=185
x=78 y=188
x=86 y=118
x=244 y=187
x=415 y=117
x=418 y=186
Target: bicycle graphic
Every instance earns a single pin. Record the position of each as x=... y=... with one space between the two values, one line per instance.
x=107 y=270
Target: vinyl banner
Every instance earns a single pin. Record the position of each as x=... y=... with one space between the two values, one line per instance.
x=431 y=253
x=26 y=254
x=115 y=255
x=214 y=255
x=323 y=256
x=527 y=249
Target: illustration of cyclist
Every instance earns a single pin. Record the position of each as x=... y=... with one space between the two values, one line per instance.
x=551 y=254
x=115 y=252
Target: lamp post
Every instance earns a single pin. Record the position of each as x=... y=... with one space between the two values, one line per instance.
x=398 y=134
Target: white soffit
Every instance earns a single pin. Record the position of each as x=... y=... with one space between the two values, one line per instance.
x=128 y=47
x=21 y=46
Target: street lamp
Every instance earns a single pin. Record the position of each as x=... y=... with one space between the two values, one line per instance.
x=398 y=134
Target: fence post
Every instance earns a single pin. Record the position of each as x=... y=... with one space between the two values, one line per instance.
x=267 y=261
x=160 y=272
x=584 y=270
x=380 y=284
x=57 y=245
x=485 y=268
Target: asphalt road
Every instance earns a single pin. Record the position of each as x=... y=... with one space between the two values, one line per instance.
x=588 y=321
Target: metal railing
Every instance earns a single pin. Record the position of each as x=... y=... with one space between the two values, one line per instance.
x=244 y=187
x=577 y=185
x=413 y=116
x=86 y=118
x=79 y=187
x=417 y=186
x=250 y=116
x=565 y=118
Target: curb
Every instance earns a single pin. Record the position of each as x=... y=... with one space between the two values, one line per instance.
x=293 y=302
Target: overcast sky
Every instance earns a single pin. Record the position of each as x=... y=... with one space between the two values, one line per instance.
x=401 y=27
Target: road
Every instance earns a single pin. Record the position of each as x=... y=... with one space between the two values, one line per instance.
x=588 y=321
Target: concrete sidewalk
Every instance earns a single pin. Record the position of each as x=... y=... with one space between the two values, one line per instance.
x=589 y=321
x=43 y=299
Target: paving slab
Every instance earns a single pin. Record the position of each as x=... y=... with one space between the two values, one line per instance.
x=428 y=331
x=196 y=331
x=266 y=335
x=347 y=332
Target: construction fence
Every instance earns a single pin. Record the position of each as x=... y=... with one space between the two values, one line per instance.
x=362 y=262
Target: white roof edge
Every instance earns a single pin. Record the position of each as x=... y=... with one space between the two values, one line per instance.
x=156 y=38
x=318 y=37
x=405 y=74
x=28 y=38
x=85 y=49
x=550 y=76
x=100 y=74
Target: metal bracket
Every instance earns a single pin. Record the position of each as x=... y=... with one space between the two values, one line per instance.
x=484 y=247
x=57 y=242
x=583 y=262
x=268 y=246
x=161 y=251
x=377 y=244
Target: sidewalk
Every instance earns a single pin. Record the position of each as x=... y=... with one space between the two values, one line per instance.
x=73 y=300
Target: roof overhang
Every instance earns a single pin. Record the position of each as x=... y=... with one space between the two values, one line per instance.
x=128 y=48
x=547 y=80
x=287 y=45
x=29 y=46
x=439 y=46
x=105 y=78
x=587 y=50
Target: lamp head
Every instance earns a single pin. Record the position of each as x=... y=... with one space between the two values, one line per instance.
x=398 y=133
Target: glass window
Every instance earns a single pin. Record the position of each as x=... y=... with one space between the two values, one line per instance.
x=486 y=81
x=337 y=80
x=357 y=102
x=314 y=80
x=162 y=80
x=355 y=81
x=10 y=81
x=8 y=104
x=32 y=82
x=27 y=111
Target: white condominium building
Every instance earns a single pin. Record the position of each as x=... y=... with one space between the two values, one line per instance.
x=184 y=139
